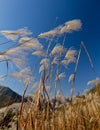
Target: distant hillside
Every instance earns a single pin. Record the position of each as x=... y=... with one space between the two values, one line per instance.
x=7 y=96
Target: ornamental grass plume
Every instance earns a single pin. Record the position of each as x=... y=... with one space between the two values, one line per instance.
x=72 y=25
x=70 y=57
x=19 y=62
x=25 y=40
x=95 y=82
x=66 y=62
x=67 y=27
x=39 y=53
x=60 y=76
x=55 y=60
x=71 y=77
x=14 y=35
x=58 y=49
x=70 y=54
x=45 y=63
x=23 y=74
x=30 y=43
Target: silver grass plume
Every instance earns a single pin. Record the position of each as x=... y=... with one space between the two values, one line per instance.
x=58 y=49
x=60 y=76
x=14 y=35
x=67 y=27
x=70 y=54
x=71 y=77
x=95 y=81
x=27 y=43
x=24 y=74
x=45 y=63
x=20 y=62
x=70 y=57
x=39 y=53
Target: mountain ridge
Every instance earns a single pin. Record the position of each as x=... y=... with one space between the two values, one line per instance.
x=8 y=96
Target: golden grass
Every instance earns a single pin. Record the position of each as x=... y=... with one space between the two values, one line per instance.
x=82 y=115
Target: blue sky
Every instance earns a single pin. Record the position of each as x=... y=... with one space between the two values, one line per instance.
x=40 y=15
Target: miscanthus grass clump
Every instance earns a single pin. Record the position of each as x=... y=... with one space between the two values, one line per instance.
x=41 y=110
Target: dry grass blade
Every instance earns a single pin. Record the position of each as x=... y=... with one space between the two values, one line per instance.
x=74 y=75
x=90 y=60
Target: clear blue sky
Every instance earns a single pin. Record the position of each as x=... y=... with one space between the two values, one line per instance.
x=39 y=16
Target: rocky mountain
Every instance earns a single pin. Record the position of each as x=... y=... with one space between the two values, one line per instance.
x=8 y=97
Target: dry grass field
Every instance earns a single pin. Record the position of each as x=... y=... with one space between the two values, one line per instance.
x=52 y=62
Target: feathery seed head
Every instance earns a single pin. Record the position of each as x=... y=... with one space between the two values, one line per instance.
x=58 y=49
x=39 y=53
x=71 y=77
x=95 y=81
x=67 y=27
x=14 y=35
